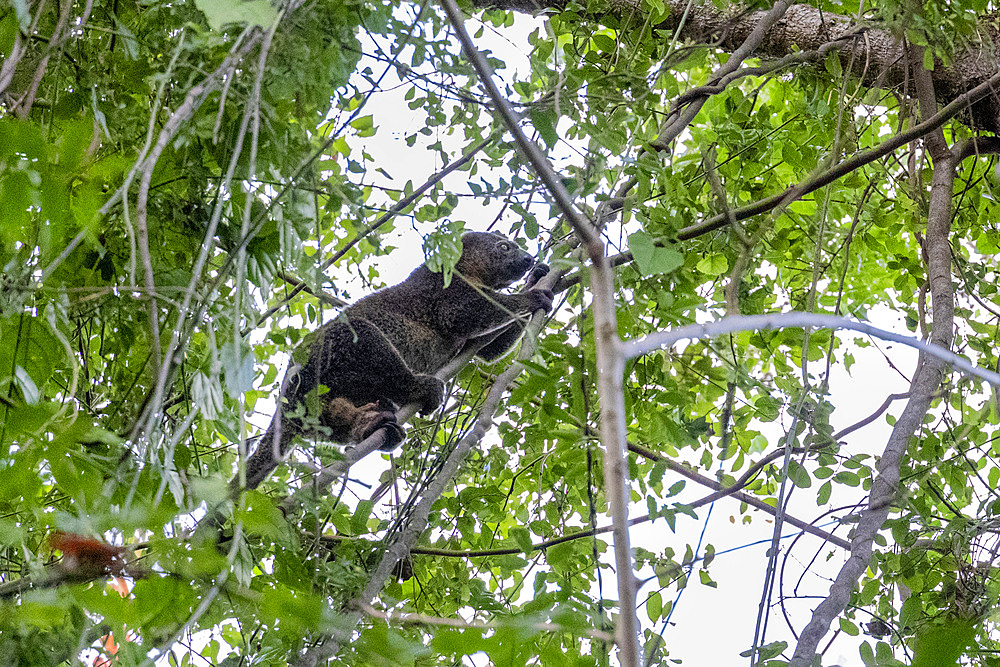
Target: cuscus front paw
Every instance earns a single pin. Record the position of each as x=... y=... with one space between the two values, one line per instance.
x=540 y=299
x=374 y=417
x=379 y=417
x=538 y=272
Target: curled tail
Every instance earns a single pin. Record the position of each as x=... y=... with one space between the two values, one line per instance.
x=272 y=447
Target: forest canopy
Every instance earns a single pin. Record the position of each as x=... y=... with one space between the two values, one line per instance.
x=760 y=220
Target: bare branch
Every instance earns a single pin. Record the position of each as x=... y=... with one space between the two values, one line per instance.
x=926 y=381
x=795 y=319
x=610 y=357
x=872 y=417
x=193 y=100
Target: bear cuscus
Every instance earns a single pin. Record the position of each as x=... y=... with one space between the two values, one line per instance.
x=352 y=374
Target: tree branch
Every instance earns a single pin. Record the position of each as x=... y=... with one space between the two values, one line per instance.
x=846 y=166
x=926 y=381
x=610 y=357
x=795 y=319
x=878 y=59
x=678 y=120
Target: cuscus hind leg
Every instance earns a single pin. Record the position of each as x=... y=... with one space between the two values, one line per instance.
x=354 y=423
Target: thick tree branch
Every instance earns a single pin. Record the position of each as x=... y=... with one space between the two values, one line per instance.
x=977 y=146
x=876 y=57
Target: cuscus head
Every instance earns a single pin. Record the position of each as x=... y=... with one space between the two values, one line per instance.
x=492 y=260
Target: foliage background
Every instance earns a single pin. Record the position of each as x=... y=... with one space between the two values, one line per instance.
x=173 y=174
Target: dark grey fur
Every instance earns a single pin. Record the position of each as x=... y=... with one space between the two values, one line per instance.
x=380 y=354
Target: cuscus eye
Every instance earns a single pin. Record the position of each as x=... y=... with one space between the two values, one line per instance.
x=505 y=246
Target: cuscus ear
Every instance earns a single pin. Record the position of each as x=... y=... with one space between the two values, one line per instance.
x=500 y=234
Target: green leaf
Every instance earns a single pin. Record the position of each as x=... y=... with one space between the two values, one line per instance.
x=11 y=534
x=823 y=495
x=944 y=644
x=522 y=537
x=654 y=606
x=238 y=368
x=768 y=651
x=359 y=520
x=559 y=556
x=709 y=556
x=363 y=123
x=768 y=408
x=713 y=265
x=799 y=475
x=461 y=642
x=652 y=259
x=544 y=120
x=848 y=478
x=28 y=389
x=261 y=516
x=867 y=655
x=849 y=627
